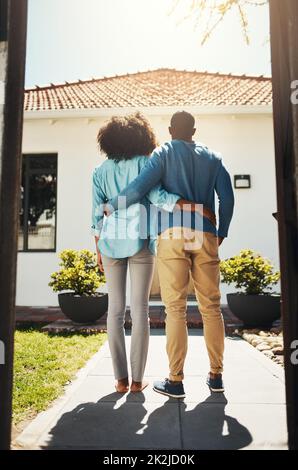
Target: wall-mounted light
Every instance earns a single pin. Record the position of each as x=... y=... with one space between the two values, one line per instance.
x=242 y=182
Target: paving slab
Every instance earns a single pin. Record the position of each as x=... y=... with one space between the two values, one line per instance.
x=91 y=415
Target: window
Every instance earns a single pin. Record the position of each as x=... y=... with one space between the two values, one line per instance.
x=38 y=205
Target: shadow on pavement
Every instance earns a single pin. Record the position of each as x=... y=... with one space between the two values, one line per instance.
x=208 y=427
x=117 y=422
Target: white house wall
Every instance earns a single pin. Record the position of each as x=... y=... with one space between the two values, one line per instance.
x=246 y=142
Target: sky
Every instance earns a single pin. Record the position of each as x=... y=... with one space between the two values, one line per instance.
x=81 y=39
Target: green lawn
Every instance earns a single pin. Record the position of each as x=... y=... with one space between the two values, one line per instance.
x=43 y=364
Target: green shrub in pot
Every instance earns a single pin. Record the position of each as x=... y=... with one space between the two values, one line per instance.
x=78 y=281
x=249 y=271
x=255 y=275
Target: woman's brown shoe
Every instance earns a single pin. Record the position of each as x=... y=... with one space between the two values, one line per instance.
x=122 y=385
x=138 y=386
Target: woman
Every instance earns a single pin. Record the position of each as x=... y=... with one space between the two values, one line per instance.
x=127 y=238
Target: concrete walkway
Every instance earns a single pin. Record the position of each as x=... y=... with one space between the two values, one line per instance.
x=251 y=414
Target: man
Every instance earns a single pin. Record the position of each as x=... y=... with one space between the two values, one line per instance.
x=194 y=172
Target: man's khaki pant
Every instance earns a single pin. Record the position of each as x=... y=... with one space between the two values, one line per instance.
x=181 y=253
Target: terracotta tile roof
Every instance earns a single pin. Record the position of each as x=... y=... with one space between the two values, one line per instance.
x=163 y=87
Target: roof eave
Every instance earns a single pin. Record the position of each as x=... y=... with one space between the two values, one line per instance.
x=150 y=111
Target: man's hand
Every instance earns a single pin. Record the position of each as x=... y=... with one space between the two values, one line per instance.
x=107 y=210
x=220 y=240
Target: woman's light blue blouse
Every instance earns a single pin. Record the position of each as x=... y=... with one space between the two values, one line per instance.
x=123 y=233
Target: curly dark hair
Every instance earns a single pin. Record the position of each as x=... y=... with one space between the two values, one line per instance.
x=122 y=138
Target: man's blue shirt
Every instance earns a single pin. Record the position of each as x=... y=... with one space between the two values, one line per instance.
x=192 y=171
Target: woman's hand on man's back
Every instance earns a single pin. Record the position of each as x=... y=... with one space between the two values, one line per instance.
x=191 y=206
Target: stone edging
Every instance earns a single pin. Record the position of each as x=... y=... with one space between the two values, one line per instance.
x=270 y=343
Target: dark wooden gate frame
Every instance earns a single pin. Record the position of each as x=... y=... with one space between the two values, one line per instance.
x=284 y=48
x=284 y=40
x=13 y=29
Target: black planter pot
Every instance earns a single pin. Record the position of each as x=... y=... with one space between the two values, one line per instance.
x=84 y=310
x=255 y=310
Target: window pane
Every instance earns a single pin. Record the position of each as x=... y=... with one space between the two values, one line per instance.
x=38 y=204
x=22 y=210
x=42 y=211
x=40 y=162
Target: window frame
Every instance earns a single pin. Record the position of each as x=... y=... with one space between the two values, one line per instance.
x=26 y=157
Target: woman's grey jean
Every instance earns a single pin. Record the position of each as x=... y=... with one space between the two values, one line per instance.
x=141 y=267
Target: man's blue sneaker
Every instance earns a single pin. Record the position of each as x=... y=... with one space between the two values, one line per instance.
x=166 y=387
x=215 y=385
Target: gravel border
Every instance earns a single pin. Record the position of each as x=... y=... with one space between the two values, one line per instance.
x=270 y=343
